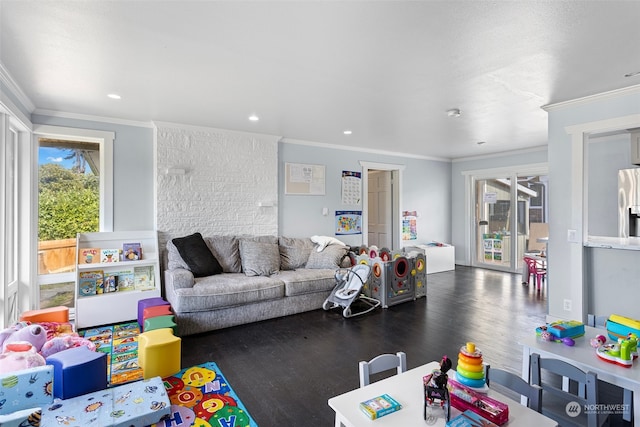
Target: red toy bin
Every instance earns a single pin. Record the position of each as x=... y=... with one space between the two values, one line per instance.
x=463 y=398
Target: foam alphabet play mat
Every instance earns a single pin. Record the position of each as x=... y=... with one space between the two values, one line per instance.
x=201 y=396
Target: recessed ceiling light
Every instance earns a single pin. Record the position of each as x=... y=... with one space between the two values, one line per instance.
x=114 y=96
x=347 y=132
x=254 y=118
x=454 y=112
x=635 y=73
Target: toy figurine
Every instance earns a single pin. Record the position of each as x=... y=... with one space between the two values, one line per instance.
x=436 y=392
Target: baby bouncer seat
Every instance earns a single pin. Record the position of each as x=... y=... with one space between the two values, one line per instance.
x=348 y=289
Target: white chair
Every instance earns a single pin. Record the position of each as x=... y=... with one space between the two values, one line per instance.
x=557 y=403
x=515 y=383
x=381 y=363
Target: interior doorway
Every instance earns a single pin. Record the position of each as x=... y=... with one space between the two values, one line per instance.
x=381 y=216
x=380 y=231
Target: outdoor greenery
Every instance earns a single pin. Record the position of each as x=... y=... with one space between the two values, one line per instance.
x=69 y=202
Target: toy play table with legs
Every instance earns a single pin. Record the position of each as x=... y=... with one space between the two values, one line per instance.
x=583 y=356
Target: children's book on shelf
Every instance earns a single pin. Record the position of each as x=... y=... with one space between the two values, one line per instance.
x=143 y=278
x=88 y=255
x=110 y=255
x=90 y=283
x=131 y=251
x=379 y=406
x=125 y=280
x=470 y=419
x=110 y=283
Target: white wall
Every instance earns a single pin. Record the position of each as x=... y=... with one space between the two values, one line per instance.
x=133 y=173
x=426 y=189
x=566 y=262
x=212 y=180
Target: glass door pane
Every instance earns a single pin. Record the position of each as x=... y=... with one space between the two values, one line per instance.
x=493 y=225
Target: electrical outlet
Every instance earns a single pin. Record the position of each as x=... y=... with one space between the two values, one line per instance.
x=567 y=305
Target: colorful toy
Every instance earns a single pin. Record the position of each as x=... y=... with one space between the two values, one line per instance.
x=19 y=355
x=24 y=389
x=465 y=398
x=622 y=353
x=621 y=326
x=159 y=353
x=58 y=314
x=470 y=370
x=23 y=331
x=436 y=392
x=65 y=342
x=78 y=371
x=562 y=329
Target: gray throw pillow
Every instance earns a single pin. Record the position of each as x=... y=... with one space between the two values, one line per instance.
x=294 y=252
x=227 y=251
x=197 y=255
x=259 y=258
x=329 y=257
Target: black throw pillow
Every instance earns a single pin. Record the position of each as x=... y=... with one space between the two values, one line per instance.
x=197 y=255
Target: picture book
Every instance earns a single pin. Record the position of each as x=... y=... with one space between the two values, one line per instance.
x=124 y=280
x=88 y=255
x=110 y=283
x=120 y=343
x=86 y=287
x=90 y=283
x=110 y=255
x=379 y=406
x=470 y=419
x=143 y=278
x=131 y=251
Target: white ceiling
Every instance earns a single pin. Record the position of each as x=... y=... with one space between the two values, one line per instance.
x=387 y=70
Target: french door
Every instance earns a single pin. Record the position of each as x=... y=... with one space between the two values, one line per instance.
x=509 y=216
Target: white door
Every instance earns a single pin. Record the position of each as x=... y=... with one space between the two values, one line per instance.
x=380 y=209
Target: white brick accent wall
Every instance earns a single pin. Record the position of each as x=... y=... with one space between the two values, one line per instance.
x=226 y=175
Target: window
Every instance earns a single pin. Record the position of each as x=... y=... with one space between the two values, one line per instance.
x=9 y=284
x=74 y=195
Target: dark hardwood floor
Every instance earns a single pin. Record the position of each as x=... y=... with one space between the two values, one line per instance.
x=284 y=370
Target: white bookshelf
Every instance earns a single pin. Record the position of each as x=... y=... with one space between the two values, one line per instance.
x=119 y=306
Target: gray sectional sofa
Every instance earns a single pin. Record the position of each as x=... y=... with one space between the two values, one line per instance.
x=256 y=278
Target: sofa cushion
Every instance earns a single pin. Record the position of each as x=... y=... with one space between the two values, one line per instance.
x=330 y=257
x=174 y=260
x=197 y=255
x=294 y=252
x=226 y=249
x=307 y=281
x=259 y=258
x=226 y=290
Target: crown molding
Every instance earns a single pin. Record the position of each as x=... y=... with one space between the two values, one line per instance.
x=90 y=118
x=361 y=149
x=597 y=97
x=13 y=87
x=502 y=154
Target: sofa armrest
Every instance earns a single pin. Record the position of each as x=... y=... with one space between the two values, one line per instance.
x=179 y=278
